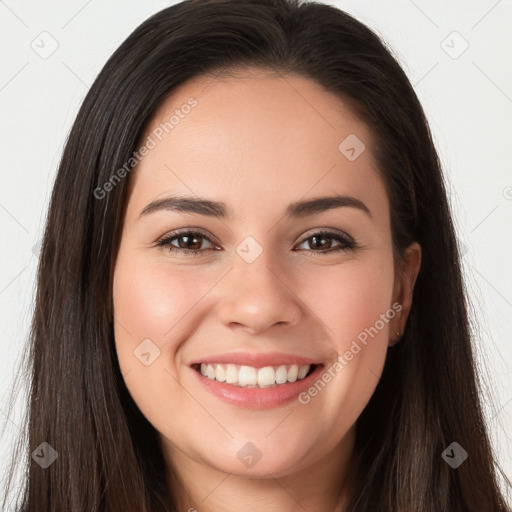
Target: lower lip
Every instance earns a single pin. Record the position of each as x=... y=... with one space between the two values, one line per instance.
x=258 y=398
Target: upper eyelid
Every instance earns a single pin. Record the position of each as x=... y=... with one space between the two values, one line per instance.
x=310 y=232
x=186 y=231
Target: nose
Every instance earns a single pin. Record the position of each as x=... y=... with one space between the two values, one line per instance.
x=257 y=296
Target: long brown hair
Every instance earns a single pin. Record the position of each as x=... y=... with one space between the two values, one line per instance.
x=109 y=457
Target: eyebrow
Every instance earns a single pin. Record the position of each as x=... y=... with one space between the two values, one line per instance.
x=304 y=208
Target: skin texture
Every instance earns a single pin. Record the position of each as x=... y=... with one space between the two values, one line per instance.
x=257 y=142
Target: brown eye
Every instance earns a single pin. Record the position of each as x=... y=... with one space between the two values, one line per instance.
x=193 y=242
x=186 y=242
x=326 y=241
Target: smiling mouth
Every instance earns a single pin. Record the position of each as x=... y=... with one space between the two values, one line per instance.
x=243 y=376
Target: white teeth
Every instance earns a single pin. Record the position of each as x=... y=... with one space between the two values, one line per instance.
x=281 y=375
x=210 y=372
x=248 y=376
x=266 y=376
x=293 y=372
x=303 y=370
x=231 y=374
x=220 y=374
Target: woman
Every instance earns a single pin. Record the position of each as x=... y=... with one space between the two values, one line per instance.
x=249 y=293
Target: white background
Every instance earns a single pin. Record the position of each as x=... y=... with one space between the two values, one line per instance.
x=468 y=101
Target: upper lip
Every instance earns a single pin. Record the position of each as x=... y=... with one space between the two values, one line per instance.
x=257 y=360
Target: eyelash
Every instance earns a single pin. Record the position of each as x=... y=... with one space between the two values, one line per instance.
x=346 y=243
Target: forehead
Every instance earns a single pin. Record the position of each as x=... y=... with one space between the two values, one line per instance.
x=254 y=138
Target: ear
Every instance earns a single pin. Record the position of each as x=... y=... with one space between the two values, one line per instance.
x=403 y=290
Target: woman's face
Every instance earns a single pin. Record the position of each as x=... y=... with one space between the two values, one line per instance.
x=250 y=154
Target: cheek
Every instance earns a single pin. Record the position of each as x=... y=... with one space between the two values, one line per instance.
x=355 y=307
x=143 y=310
x=155 y=310
x=152 y=308
x=150 y=302
x=350 y=299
